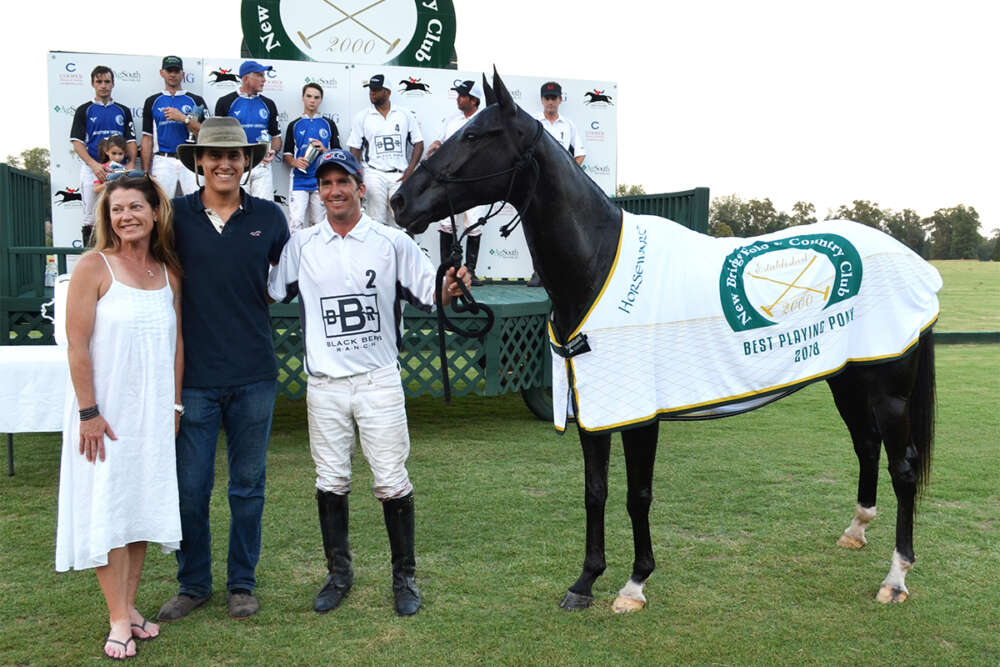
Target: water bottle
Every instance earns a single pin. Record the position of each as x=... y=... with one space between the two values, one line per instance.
x=51 y=270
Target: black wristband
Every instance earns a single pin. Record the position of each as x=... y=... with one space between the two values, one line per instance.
x=88 y=413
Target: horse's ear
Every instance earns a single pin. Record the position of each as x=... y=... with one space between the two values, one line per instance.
x=504 y=99
x=491 y=97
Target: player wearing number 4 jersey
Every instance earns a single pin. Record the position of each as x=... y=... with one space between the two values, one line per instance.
x=379 y=136
x=350 y=274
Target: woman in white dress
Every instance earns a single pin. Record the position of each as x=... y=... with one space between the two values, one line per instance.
x=118 y=477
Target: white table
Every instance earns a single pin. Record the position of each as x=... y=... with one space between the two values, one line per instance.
x=33 y=381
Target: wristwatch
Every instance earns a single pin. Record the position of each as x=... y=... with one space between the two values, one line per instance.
x=179 y=409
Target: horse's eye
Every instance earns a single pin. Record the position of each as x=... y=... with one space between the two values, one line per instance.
x=470 y=136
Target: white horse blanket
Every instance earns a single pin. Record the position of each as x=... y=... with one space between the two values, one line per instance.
x=691 y=326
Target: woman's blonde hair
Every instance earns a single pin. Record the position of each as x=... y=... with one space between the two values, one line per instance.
x=161 y=243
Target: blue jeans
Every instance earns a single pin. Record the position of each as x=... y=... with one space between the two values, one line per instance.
x=245 y=413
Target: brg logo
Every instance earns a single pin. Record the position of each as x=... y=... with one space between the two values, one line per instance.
x=771 y=281
x=350 y=314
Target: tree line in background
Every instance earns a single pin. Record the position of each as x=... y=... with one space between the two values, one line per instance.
x=949 y=233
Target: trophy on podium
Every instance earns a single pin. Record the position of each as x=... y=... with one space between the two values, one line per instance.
x=198 y=114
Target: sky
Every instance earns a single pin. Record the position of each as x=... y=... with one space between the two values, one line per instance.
x=889 y=101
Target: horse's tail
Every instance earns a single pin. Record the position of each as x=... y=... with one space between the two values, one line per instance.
x=923 y=405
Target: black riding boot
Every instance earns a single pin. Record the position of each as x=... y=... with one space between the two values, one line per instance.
x=398 y=514
x=333 y=524
x=445 y=238
x=472 y=257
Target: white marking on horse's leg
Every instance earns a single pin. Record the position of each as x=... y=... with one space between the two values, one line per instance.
x=894 y=586
x=854 y=534
x=630 y=598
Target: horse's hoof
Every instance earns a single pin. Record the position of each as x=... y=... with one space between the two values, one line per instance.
x=888 y=594
x=850 y=542
x=624 y=605
x=575 y=602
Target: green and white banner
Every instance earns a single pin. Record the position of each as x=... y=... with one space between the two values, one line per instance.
x=407 y=33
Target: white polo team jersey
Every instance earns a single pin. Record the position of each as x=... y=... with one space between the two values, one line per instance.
x=349 y=291
x=382 y=141
x=565 y=133
x=453 y=124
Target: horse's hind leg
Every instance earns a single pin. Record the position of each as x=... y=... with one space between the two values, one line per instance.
x=851 y=395
x=596 y=451
x=640 y=453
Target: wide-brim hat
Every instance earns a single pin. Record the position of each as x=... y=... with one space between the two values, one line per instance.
x=220 y=132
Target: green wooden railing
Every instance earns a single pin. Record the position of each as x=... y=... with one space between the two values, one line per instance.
x=689 y=207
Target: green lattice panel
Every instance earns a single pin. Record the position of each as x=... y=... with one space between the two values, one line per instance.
x=421 y=363
x=523 y=354
x=30 y=329
x=288 y=348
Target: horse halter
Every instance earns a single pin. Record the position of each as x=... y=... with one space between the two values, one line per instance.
x=465 y=302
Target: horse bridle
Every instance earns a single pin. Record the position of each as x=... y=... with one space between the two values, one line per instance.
x=466 y=303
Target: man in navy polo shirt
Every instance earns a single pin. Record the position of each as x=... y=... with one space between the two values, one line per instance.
x=310 y=129
x=93 y=121
x=227 y=241
x=168 y=117
x=259 y=117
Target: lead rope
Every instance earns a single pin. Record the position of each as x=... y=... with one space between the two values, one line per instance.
x=465 y=301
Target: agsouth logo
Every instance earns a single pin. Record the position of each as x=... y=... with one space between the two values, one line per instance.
x=68 y=109
x=504 y=253
x=323 y=81
x=350 y=314
x=132 y=77
x=597 y=169
x=221 y=75
x=412 y=86
x=598 y=98
x=767 y=282
x=68 y=195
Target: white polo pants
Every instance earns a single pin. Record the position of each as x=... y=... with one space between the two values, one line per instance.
x=305 y=209
x=379 y=187
x=168 y=171
x=373 y=402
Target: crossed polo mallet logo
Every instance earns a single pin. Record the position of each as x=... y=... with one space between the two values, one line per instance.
x=350 y=17
x=788 y=286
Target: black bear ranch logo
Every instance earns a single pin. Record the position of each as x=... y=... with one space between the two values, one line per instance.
x=597 y=98
x=767 y=282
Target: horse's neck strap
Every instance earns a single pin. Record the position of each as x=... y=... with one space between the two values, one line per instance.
x=578 y=344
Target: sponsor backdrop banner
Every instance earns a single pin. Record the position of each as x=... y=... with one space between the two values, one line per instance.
x=425 y=91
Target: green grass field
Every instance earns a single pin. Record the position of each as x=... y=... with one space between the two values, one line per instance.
x=746 y=514
x=970 y=298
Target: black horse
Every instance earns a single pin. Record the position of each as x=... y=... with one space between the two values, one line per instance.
x=572 y=230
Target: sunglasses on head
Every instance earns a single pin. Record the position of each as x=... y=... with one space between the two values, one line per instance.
x=132 y=173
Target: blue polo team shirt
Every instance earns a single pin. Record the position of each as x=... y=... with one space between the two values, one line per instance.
x=169 y=133
x=257 y=115
x=94 y=122
x=300 y=132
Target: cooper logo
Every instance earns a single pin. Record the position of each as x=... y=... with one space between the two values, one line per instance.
x=598 y=98
x=271 y=73
x=411 y=86
x=350 y=314
x=70 y=67
x=221 y=75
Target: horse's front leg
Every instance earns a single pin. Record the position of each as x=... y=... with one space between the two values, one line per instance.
x=640 y=453
x=596 y=451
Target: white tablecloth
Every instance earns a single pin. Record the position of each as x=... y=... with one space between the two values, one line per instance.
x=33 y=381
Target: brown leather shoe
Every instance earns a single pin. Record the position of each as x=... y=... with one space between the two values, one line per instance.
x=242 y=605
x=180 y=606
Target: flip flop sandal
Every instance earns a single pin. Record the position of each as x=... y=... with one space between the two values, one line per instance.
x=142 y=627
x=124 y=644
